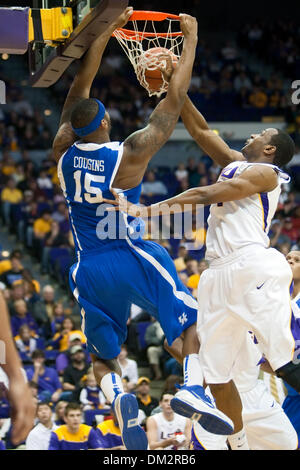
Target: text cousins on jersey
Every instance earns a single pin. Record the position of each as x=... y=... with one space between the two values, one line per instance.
x=89 y=164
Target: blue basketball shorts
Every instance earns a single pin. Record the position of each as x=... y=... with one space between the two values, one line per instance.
x=106 y=283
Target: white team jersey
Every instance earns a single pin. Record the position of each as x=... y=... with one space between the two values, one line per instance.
x=234 y=225
x=166 y=429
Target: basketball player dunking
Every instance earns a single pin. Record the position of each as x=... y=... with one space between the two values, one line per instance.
x=115 y=266
x=247 y=284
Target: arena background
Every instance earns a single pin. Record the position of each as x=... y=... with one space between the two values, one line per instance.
x=247 y=60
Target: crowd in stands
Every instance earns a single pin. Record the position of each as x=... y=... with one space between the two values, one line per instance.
x=46 y=328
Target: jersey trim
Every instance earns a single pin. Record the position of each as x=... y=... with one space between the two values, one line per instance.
x=64 y=189
x=264 y=200
x=183 y=296
x=119 y=159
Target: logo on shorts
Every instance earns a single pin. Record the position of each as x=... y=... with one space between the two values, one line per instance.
x=259 y=287
x=183 y=319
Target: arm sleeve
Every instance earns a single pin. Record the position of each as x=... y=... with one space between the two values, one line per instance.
x=54 y=442
x=94 y=440
x=103 y=444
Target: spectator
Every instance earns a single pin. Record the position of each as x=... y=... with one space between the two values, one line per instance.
x=6 y=264
x=275 y=234
x=39 y=436
x=129 y=368
x=60 y=407
x=22 y=317
x=63 y=359
x=53 y=239
x=181 y=172
x=91 y=397
x=73 y=435
x=154 y=338
x=258 y=98
x=60 y=214
x=61 y=340
x=41 y=227
x=167 y=430
x=242 y=81
x=14 y=272
x=44 y=182
x=49 y=386
x=8 y=164
x=110 y=434
x=191 y=266
x=10 y=196
x=179 y=261
x=74 y=373
x=26 y=343
x=58 y=317
x=153 y=187
x=43 y=310
x=229 y=52
x=34 y=389
x=146 y=402
x=289 y=230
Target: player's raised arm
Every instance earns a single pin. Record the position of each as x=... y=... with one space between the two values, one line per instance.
x=211 y=143
x=142 y=145
x=256 y=180
x=81 y=86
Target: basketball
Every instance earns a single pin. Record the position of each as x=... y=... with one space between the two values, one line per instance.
x=151 y=63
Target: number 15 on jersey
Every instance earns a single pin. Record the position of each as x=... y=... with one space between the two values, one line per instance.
x=92 y=194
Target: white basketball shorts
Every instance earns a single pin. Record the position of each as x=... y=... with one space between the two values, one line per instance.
x=245 y=291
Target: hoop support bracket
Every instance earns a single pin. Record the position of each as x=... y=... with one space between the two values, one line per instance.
x=92 y=26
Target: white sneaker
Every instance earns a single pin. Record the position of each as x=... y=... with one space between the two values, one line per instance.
x=127 y=411
x=193 y=403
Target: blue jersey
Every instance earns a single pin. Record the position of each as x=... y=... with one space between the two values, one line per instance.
x=87 y=172
x=116 y=267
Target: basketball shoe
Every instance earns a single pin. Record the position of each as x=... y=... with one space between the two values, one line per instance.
x=192 y=402
x=127 y=410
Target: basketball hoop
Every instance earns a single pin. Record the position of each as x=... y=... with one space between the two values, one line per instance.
x=151 y=30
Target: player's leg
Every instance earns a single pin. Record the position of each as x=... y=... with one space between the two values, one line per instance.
x=221 y=336
x=105 y=332
x=184 y=401
x=267 y=426
x=227 y=400
x=108 y=376
x=176 y=310
x=269 y=313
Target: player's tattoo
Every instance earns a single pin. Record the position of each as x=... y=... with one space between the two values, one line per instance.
x=153 y=137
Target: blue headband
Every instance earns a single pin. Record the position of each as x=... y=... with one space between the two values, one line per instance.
x=92 y=126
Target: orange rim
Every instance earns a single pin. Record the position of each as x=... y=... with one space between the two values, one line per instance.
x=149 y=16
x=144 y=15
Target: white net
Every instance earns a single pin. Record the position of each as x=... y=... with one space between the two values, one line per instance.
x=136 y=44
